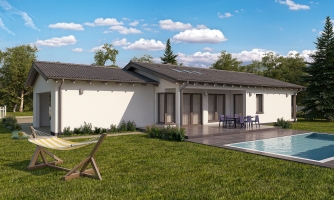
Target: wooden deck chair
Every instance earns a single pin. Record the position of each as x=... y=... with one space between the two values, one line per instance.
x=53 y=142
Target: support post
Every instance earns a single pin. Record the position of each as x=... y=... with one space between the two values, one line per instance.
x=294 y=107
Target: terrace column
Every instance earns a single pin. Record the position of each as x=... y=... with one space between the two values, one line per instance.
x=177 y=107
x=294 y=107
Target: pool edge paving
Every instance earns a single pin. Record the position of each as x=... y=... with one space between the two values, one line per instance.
x=221 y=141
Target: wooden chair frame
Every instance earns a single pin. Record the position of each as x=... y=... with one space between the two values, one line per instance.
x=71 y=173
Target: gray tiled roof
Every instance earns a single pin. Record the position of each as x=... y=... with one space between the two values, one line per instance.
x=56 y=70
x=176 y=73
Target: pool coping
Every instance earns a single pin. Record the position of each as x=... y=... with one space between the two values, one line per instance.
x=243 y=137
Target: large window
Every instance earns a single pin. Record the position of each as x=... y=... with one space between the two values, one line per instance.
x=216 y=106
x=166 y=108
x=259 y=103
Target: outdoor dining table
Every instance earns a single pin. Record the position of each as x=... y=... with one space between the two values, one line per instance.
x=234 y=119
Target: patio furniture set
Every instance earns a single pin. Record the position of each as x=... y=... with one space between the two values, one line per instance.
x=244 y=121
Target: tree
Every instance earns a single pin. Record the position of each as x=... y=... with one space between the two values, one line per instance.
x=169 y=57
x=255 y=67
x=226 y=62
x=320 y=79
x=102 y=56
x=16 y=63
x=145 y=58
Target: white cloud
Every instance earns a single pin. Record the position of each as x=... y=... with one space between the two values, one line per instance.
x=314 y=30
x=292 y=5
x=208 y=49
x=67 y=26
x=57 y=42
x=135 y=23
x=26 y=18
x=236 y=11
x=168 y=24
x=305 y=54
x=200 y=36
x=143 y=44
x=225 y=15
x=201 y=26
x=89 y=24
x=124 y=30
x=97 y=48
x=198 y=59
x=125 y=19
x=77 y=50
x=104 y=22
x=248 y=56
x=121 y=42
x=2 y=25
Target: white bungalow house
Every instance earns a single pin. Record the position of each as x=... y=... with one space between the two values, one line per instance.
x=152 y=93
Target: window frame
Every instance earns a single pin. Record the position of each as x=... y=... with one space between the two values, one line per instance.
x=259 y=105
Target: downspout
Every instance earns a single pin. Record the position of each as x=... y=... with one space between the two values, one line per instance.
x=60 y=106
x=181 y=102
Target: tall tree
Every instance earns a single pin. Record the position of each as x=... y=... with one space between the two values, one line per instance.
x=255 y=67
x=320 y=79
x=169 y=57
x=145 y=58
x=16 y=63
x=226 y=62
x=102 y=56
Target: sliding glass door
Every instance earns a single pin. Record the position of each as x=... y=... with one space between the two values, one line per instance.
x=192 y=109
x=216 y=106
x=238 y=104
x=166 y=108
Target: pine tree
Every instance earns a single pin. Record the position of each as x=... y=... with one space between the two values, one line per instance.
x=169 y=57
x=320 y=79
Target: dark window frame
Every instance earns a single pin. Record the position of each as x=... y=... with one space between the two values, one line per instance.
x=216 y=106
x=165 y=107
x=259 y=109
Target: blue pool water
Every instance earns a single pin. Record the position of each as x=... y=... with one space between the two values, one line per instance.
x=311 y=146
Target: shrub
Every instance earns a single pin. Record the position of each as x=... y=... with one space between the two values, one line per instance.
x=300 y=114
x=87 y=128
x=122 y=127
x=67 y=131
x=168 y=133
x=10 y=122
x=282 y=123
x=77 y=131
x=97 y=130
x=131 y=126
x=113 y=128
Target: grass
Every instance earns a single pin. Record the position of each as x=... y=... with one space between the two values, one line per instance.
x=314 y=125
x=138 y=167
x=26 y=113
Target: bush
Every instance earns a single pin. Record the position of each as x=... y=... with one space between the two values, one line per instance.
x=77 y=131
x=113 y=128
x=122 y=127
x=300 y=114
x=67 y=131
x=168 y=133
x=87 y=128
x=131 y=126
x=282 y=123
x=97 y=130
x=10 y=122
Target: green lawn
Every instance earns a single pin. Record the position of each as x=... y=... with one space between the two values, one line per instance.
x=26 y=113
x=315 y=125
x=137 y=167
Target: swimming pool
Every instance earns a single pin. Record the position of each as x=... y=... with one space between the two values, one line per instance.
x=318 y=147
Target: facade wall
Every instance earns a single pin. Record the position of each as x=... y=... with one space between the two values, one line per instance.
x=103 y=105
x=276 y=104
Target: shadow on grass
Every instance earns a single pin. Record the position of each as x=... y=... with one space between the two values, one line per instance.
x=22 y=166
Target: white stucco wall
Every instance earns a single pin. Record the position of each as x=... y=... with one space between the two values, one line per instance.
x=103 y=105
x=276 y=104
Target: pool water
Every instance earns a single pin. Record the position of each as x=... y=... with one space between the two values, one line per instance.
x=317 y=147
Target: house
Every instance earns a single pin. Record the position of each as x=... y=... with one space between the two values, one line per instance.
x=152 y=93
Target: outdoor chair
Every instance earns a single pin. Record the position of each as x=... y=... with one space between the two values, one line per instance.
x=229 y=121
x=249 y=121
x=221 y=119
x=236 y=116
x=242 y=121
x=257 y=120
x=53 y=142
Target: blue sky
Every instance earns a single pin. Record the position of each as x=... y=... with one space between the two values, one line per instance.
x=70 y=31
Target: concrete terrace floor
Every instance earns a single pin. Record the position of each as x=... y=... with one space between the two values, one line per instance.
x=213 y=135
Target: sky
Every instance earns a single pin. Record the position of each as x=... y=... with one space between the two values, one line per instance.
x=71 y=31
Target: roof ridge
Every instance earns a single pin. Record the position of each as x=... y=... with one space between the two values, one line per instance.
x=76 y=64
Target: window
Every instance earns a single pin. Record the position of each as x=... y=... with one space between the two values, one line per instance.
x=259 y=103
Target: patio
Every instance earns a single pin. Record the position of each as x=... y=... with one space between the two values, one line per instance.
x=213 y=135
